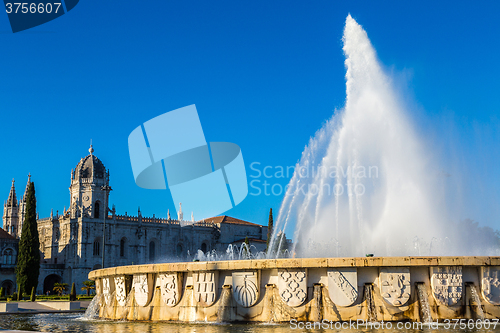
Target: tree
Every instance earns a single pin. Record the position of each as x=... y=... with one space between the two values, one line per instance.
x=72 y=294
x=28 y=262
x=19 y=292
x=59 y=288
x=2 y=292
x=246 y=249
x=88 y=286
x=33 y=296
x=270 y=226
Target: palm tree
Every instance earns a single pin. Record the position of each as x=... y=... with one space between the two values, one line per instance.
x=59 y=288
x=88 y=285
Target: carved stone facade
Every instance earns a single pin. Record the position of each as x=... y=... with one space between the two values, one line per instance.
x=71 y=240
x=292 y=285
x=343 y=285
x=245 y=288
x=395 y=285
x=490 y=284
x=447 y=284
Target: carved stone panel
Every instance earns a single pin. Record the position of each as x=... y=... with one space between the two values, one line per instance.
x=292 y=286
x=395 y=285
x=205 y=287
x=170 y=287
x=121 y=290
x=490 y=284
x=143 y=288
x=246 y=288
x=446 y=283
x=343 y=285
x=108 y=287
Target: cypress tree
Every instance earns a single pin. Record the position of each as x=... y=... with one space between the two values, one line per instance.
x=72 y=295
x=246 y=249
x=28 y=260
x=270 y=226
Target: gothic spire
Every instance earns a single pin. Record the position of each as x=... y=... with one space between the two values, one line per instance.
x=27 y=187
x=12 y=201
x=180 y=216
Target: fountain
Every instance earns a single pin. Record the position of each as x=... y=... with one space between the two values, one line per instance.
x=366 y=182
x=476 y=302
x=423 y=302
x=388 y=205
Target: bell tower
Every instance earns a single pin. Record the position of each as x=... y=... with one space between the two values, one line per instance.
x=89 y=188
x=10 y=213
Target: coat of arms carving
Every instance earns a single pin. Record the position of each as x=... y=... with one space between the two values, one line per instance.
x=245 y=288
x=120 y=290
x=143 y=286
x=292 y=286
x=170 y=288
x=343 y=285
x=205 y=287
x=490 y=284
x=107 y=289
x=395 y=285
x=447 y=285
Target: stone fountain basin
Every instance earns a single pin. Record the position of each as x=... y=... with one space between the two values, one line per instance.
x=311 y=289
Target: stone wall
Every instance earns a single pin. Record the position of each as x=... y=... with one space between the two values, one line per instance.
x=332 y=289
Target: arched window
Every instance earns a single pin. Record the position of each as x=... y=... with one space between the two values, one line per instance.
x=8 y=257
x=96 y=210
x=179 y=250
x=122 y=247
x=204 y=247
x=152 y=250
x=97 y=247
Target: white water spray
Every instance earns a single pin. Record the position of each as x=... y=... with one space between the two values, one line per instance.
x=364 y=184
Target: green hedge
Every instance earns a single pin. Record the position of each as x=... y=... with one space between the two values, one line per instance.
x=49 y=298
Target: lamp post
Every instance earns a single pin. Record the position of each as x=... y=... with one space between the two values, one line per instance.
x=106 y=188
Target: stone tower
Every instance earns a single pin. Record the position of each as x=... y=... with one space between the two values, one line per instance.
x=89 y=188
x=10 y=213
x=22 y=208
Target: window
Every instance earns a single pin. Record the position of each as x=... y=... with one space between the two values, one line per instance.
x=204 y=247
x=97 y=247
x=8 y=257
x=122 y=247
x=179 y=250
x=152 y=250
x=96 y=210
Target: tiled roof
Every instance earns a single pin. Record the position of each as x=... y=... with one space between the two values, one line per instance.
x=5 y=235
x=229 y=219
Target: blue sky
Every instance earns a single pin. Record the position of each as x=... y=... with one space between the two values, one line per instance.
x=263 y=74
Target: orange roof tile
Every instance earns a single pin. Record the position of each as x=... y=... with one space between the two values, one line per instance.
x=229 y=219
x=5 y=235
